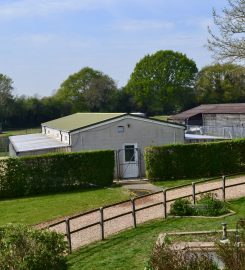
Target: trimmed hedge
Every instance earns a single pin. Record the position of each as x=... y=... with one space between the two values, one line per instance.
x=55 y=172
x=194 y=160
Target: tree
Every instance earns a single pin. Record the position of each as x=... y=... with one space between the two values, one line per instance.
x=123 y=101
x=100 y=95
x=88 y=90
x=163 y=82
x=221 y=84
x=6 y=97
x=229 y=43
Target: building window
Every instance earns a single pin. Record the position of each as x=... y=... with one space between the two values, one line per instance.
x=129 y=153
x=120 y=129
x=65 y=138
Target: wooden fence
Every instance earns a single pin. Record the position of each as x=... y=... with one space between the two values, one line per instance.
x=130 y=209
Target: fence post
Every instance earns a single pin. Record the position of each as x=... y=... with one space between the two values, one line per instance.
x=165 y=202
x=133 y=212
x=102 y=223
x=68 y=233
x=223 y=186
x=194 y=192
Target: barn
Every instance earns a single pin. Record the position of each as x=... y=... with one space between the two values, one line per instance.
x=223 y=120
x=127 y=134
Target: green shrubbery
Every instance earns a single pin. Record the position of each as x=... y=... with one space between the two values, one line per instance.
x=207 y=205
x=194 y=160
x=181 y=207
x=23 y=248
x=55 y=172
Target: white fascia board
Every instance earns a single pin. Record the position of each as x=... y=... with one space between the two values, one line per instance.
x=156 y=122
x=127 y=117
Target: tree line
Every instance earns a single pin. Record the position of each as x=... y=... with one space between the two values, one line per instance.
x=165 y=82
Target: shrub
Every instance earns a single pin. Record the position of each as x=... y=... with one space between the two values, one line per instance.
x=23 y=248
x=194 y=160
x=166 y=258
x=210 y=205
x=182 y=207
x=207 y=205
x=55 y=172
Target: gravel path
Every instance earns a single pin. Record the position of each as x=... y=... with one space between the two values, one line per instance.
x=92 y=234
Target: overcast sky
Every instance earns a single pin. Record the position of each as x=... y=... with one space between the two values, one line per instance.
x=42 y=42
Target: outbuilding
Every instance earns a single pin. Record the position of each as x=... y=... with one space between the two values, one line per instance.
x=127 y=134
x=222 y=120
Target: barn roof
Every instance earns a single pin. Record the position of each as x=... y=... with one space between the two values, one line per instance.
x=231 y=108
x=79 y=121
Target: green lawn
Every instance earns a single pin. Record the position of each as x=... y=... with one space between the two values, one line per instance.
x=32 y=210
x=14 y=132
x=131 y=249
x=180 y=182
x=160 y=117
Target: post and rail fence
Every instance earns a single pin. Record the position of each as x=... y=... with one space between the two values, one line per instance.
x=99 y=218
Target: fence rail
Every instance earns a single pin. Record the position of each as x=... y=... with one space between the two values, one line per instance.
x=132 y=209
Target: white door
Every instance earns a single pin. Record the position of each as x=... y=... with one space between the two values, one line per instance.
x=130 y=168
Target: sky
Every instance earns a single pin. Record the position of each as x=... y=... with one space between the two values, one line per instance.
x=42 y=42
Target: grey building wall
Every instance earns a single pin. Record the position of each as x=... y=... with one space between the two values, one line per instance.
x=226 y=125
x=12 y=152
x=224 y=120
x=138 y=131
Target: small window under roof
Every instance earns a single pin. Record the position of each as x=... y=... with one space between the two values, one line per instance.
x=120 y=129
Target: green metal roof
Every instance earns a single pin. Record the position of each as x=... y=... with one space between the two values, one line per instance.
x=80 y=120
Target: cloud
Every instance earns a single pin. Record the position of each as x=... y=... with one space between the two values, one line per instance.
x=21 y=8
x=142 y=25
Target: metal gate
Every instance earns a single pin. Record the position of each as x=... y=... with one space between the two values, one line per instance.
x=128 y=161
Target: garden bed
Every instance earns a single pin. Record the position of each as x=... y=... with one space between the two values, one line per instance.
x=206 y=206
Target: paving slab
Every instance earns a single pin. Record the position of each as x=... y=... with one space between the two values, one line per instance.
x=139 y=185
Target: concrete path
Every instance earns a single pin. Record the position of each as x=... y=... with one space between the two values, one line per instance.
x=139 y=185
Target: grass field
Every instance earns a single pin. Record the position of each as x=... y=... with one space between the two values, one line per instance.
x=179 y=182
x=8 y=133
x=160 y=117
x=32 y=210
x=132 y=248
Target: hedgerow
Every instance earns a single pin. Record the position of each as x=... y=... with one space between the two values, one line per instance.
x=195 y=160
x=55 y=172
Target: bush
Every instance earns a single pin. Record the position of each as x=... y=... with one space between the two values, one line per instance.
x=23 y=248
x=182 y=207
x=194 y=160
x=55 y=172
x=210 y=206
x=207 y=205
x=166 y=258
